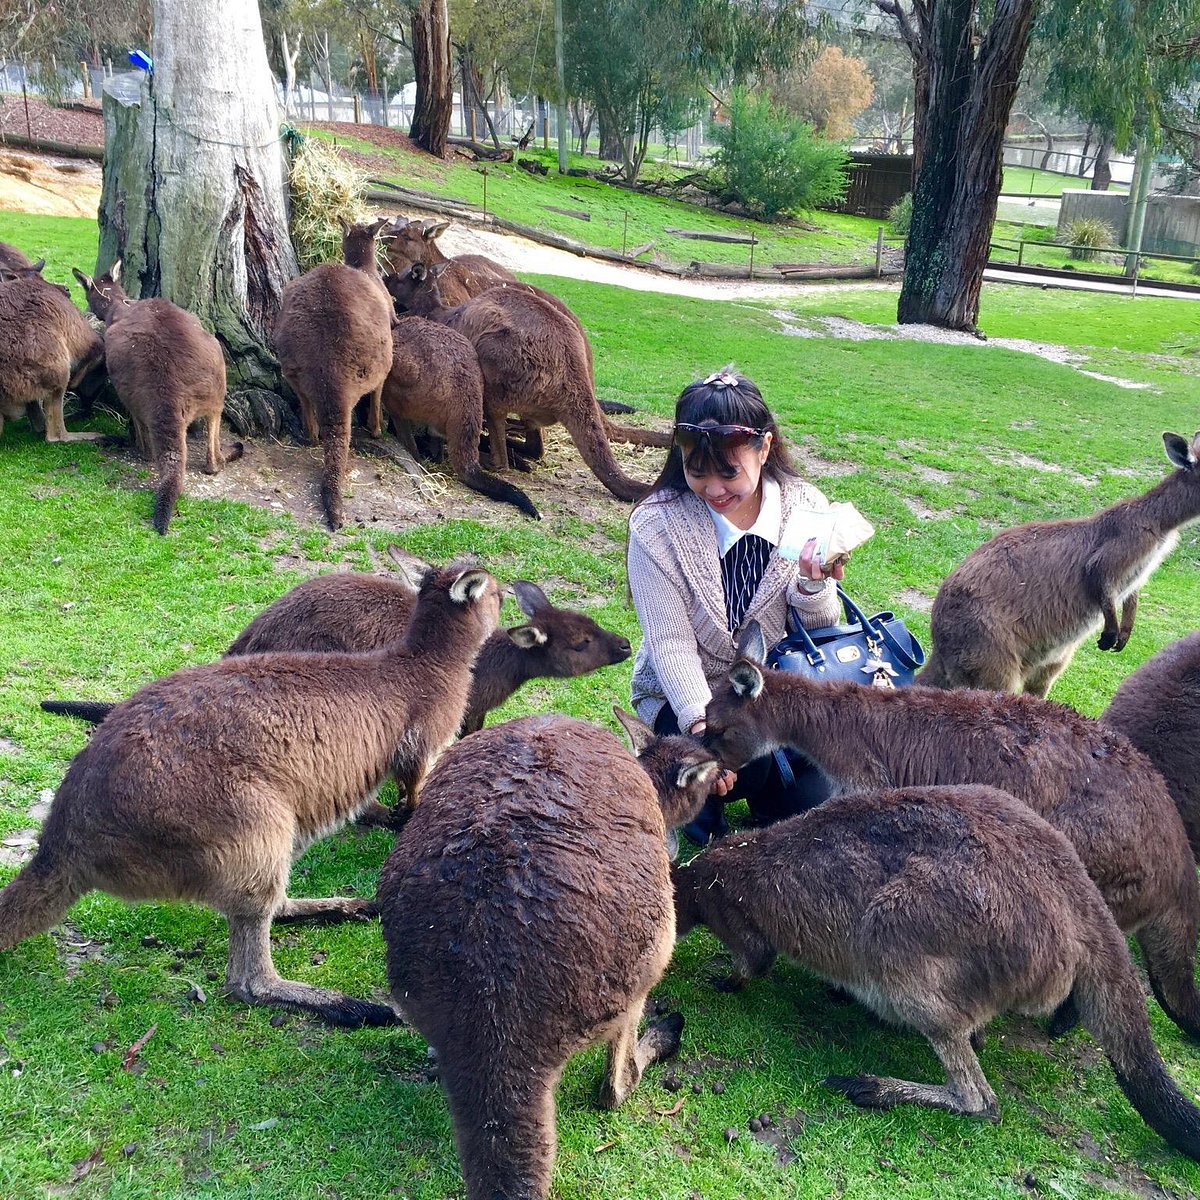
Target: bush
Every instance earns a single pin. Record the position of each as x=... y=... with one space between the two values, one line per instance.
x=899 y=216
x=1086 y=236
x=771 y=163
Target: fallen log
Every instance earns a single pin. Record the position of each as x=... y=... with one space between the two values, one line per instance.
x=480 y=150
x=46 y=146
x=568 y=212
x=638 y=251
x=736 y=239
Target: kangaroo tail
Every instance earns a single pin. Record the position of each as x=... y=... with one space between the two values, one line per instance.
x=172 y=463
x=34 y=900
x=500 y=489
x=505 y=1134
x=638 y=437
x=336 y=437
x=462 y=442
x=613 y=407
x=588 y=434
x=235 y=451
x=1113 y=1009
x=86 y=710
x=1168 y=945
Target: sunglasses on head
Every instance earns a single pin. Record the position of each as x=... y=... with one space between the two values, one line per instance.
x=716 y=438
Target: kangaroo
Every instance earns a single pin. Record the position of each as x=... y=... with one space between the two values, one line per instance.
x=534 y=365
x=47 y=348
x=1085 y=779
x=527 y=913
x=465 y=276
x=905 y=899
x=207 y=784
x=333 y=338
x=12 y=259
x=1158 y=709
x=1012 y=614
x=354 y=613
x=168 y=371
x=435 y=380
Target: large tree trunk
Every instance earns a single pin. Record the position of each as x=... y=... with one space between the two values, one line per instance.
x=1102 y=171
x=194 y=199
x=435 y=83
x=954 y=202
x=612 y=147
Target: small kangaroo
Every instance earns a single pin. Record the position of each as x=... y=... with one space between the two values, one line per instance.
x=1158 y=709
x=1085 y=779
x=1011 y=615
x=168 y=371
x=334 y=342
x=527 y=912
x=47 y=348
x=906 y=899
x=535 y=365
x=435 y=380
x=208 y=783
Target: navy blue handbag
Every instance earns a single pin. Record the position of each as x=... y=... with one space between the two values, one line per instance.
x=877 y=650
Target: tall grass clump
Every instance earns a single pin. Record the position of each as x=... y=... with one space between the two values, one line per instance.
x=1086 y=237
x=324 y=187
x=899 y=216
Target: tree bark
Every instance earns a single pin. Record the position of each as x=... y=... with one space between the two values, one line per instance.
x=435 y=83
x=1102 y=171
x=954 y=202
x=194 y=197
x=611 y=142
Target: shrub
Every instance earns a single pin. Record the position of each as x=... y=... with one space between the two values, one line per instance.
x=772 y=163
x=899 y=216
x=1086 y=236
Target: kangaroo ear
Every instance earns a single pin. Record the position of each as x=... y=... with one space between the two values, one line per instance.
x=377 y=225
x=436 y=271
x=640 y=734
x=344 y=225
x=1178 y=450
x=114 y=272
x=696 y=774
x=430 y=230
x=752 y=644
x=527 y=636
x=84 y=281
x=747 y=679
x=469 y=586
x=530 y=597
x=38 y=266
x=412 y=568
x=398 y=224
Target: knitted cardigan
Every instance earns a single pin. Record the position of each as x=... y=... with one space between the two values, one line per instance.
x=674 y=570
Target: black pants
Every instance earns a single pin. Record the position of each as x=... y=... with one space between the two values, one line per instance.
x=761 y=784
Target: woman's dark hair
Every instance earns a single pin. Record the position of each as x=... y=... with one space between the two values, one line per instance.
x=724 y=398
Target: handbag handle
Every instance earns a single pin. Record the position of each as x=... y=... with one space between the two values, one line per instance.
x=906 y=658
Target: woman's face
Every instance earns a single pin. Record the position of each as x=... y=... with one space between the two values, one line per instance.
x=736 y=499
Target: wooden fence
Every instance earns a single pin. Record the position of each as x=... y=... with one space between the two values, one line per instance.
x=877 y=181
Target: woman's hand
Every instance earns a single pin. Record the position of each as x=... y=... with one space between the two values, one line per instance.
x=810 y=564
x=723 y=784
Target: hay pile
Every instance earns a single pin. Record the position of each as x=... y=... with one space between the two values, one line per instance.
x=325 y=187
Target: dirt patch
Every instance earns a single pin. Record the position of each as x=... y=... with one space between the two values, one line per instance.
x=932 y=474
x=55 y=187
x=913 y=599
x=284 y=478
x=17 y=847
x=377 y=135
x=1029 y=463
x=779 y=1135
x=813 y=465
x=75 y=948
x=79 y=124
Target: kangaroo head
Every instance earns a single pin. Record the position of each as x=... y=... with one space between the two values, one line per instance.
x=415 y=290
x=12 y=272
x=454 y=602
x=406 y=242
x=567 y=642
x=1181 y=454
x=358 y=243
x=680 y=768
x=104 y=292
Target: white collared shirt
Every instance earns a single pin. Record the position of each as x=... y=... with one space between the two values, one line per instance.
x=766 y=525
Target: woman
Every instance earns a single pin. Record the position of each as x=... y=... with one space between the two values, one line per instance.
x=705 y=558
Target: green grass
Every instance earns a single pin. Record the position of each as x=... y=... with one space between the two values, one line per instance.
x=231 y=1105
x=1024 y=181
x=621 y=218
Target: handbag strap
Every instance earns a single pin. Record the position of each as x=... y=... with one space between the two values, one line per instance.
x=909 y=657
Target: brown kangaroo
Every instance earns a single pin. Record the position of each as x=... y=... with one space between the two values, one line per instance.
x=207 y=784
x=534 y=365
x=405 y=242
x=1158 y=709
x=1012 y=614
x=906 y=899
x=12 y=259
x=435 y=380
x=351 y=612
x=1086 y=780
x=47 y=348
x=168 y=371
x=334 y=342
x=527 y=912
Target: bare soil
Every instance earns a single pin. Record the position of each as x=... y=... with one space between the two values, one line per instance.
x=81 y=124
x=53 y=187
